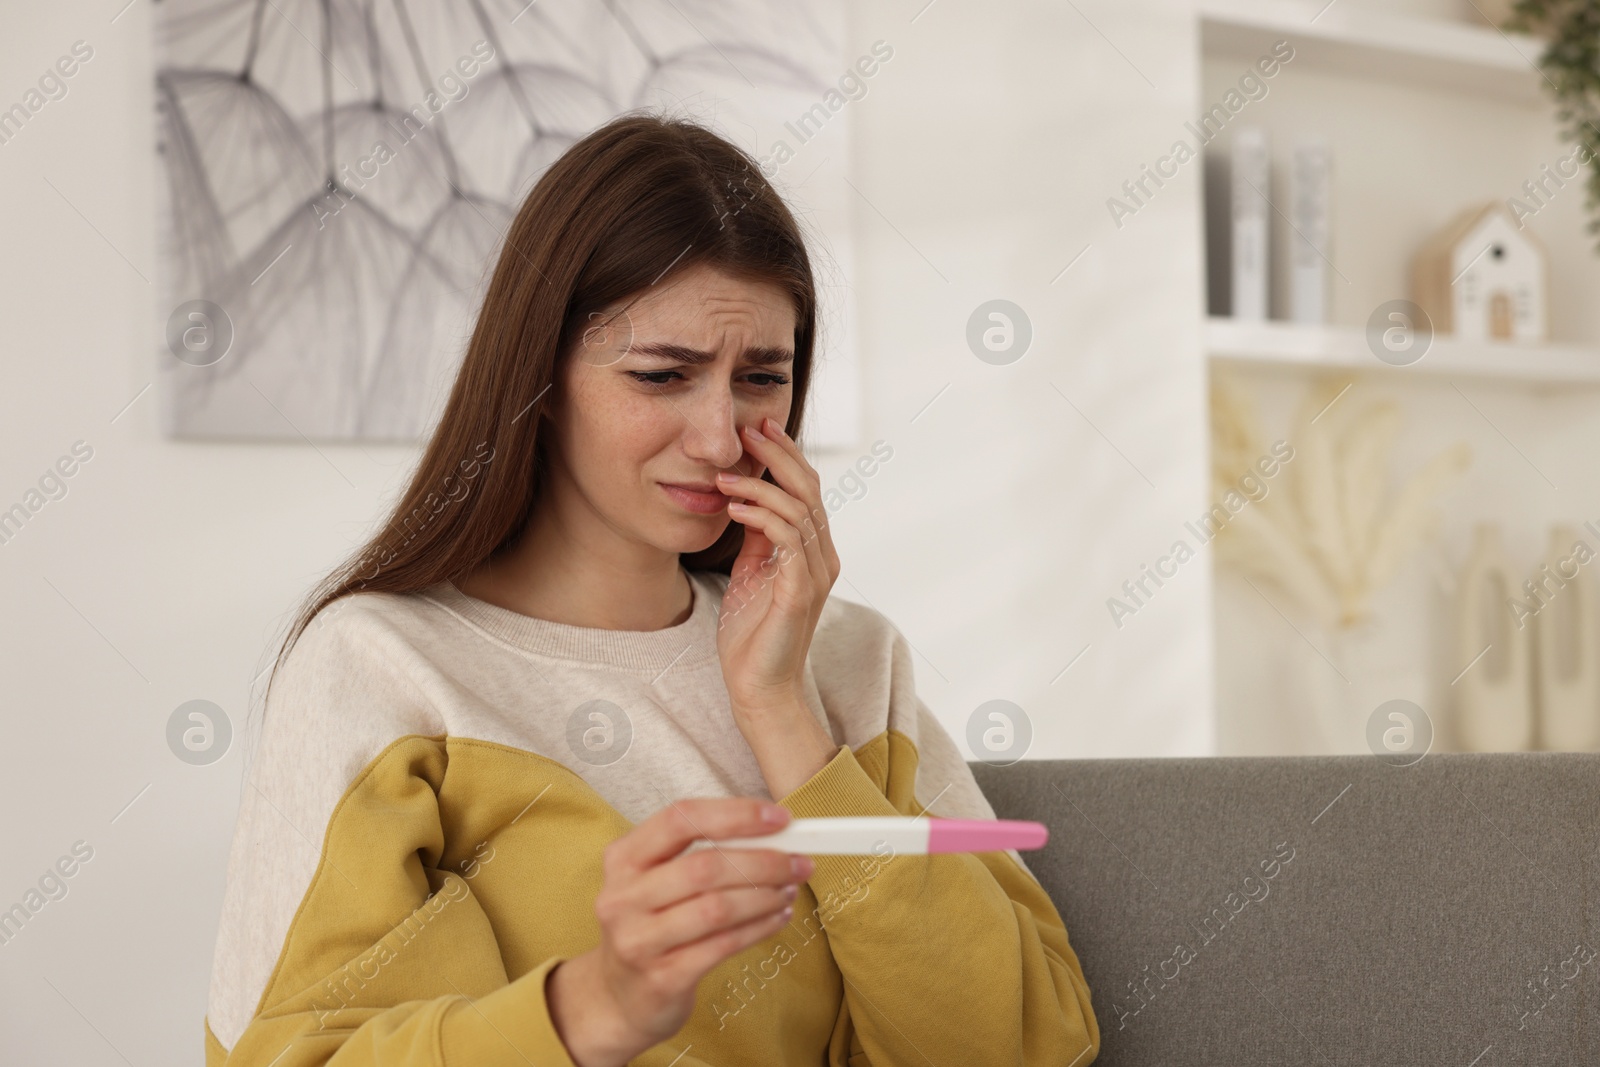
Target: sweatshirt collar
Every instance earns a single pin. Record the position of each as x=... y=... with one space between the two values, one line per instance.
x=691 y=642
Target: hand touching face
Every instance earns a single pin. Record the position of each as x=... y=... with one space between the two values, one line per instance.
x=780 y=581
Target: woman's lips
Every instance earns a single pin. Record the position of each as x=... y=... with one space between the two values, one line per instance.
x=700 y=502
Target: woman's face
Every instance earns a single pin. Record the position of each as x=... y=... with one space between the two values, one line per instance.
x=653 y=401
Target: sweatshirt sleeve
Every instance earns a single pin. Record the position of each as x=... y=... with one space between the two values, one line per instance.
x=346 y=937
x=390 y=960
x=954 y=956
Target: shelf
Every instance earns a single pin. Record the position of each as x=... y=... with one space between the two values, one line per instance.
x=1434 y=53
x=1334 y=348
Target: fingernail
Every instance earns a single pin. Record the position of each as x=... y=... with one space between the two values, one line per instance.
x=753 y=432
x=786 y=912
x=726 y=478
x=790 y=892
x=774 y=814
x=800 y=866
x=776 y=429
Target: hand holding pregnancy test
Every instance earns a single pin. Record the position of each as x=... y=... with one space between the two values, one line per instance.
x=860 y=835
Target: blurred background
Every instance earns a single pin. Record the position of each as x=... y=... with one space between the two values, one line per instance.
x=1200 y=378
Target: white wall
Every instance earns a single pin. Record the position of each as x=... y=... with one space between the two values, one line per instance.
x=985 y=152
x=1006 y=519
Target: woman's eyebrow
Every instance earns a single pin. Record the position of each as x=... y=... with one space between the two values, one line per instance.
x=760 y=355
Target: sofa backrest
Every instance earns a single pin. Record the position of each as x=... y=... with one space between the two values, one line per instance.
x=1326 y=910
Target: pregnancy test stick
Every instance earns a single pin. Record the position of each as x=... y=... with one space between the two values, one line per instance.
x=860 y=835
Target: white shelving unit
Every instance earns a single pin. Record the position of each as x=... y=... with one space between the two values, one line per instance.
x=1426 y=116
x=1376 y=45
x=1370 y=44
x=1343 y=348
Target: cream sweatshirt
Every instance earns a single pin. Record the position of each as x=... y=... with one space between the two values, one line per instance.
x=419 y=843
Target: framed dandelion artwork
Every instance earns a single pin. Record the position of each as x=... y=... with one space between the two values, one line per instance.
x=340 y=175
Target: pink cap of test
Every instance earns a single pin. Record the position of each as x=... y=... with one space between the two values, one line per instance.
x=985 y=835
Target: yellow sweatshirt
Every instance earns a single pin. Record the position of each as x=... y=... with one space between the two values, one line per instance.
x=420 y=834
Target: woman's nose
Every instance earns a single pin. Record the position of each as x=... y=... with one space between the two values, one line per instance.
x=712 y=435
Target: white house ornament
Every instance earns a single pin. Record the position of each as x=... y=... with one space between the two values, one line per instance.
x=1482 y=279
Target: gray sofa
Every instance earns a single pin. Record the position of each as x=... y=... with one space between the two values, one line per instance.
x=1326 y=910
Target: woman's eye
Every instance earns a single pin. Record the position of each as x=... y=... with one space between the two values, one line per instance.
x=664 y=377
x=653 y=377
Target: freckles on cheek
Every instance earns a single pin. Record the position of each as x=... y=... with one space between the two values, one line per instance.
x=634 y=434
x=644 y=429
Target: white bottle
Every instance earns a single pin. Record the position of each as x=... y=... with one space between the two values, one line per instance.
x=1566 y=659
x=1309 y=187
x=1252 y=175
x=1494 y=705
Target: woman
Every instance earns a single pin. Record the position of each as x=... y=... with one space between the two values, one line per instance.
x=597 y=628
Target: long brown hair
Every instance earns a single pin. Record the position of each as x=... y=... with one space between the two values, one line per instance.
x=629 y=205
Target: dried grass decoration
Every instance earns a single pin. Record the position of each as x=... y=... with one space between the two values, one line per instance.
x=1330 y=541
